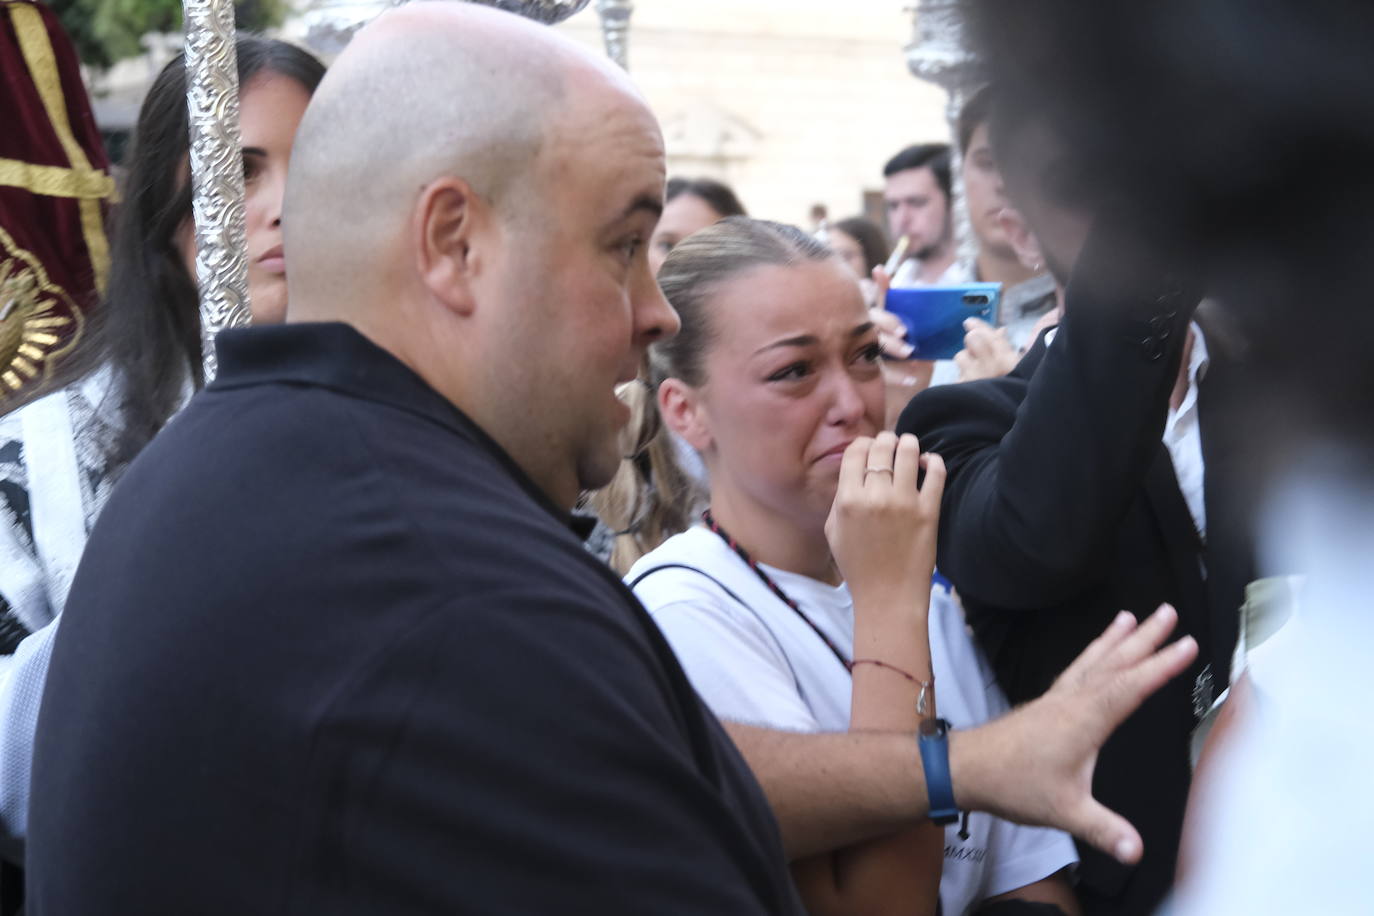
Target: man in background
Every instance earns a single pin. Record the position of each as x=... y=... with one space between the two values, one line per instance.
x=916 y=196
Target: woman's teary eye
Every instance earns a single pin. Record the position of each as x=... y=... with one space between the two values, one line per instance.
x=871 y=353
x=630 y=247
x=790 y=373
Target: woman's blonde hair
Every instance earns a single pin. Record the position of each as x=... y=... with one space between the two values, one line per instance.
x=651 y=497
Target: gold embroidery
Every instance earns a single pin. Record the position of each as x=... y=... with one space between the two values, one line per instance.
x=55 y=181
x=42 y=64
x=35 y=315
x=93 y=229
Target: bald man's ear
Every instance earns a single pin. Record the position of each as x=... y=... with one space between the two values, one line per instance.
x=446 y=219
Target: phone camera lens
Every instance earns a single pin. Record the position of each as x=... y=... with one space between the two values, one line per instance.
x=975 y=299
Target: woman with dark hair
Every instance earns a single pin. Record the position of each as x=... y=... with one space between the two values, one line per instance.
x=61 y=454
x=860 y=244
x=690 y=204
x=151 y=316
x=143 y=358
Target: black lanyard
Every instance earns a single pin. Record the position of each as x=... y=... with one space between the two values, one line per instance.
x=774 y=587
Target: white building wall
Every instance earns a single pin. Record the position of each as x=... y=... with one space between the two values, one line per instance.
x=792 y=103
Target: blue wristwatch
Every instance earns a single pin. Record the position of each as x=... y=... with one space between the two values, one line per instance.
x=934 y=744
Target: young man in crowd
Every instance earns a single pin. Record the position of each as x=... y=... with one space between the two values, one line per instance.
x=916 y=195
x=1027 y=289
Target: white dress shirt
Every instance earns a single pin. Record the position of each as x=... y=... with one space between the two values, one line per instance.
x=1183 y=435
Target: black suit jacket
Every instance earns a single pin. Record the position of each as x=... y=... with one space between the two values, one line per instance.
x=330 y=651
x=1062 y=508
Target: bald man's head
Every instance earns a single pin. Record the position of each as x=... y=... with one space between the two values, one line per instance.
x=476 y=194
x=428 y=90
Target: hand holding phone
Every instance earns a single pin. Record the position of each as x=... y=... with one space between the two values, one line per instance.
x=934 y=315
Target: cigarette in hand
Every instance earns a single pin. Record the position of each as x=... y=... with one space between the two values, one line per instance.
x=898 y=254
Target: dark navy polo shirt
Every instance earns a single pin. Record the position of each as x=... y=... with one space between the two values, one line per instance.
x=330 y=651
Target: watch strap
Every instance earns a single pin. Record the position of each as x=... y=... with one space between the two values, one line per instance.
x=933 y=742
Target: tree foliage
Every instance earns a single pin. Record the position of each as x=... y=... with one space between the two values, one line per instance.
x=106 y=31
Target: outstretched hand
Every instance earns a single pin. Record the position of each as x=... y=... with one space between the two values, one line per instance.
x=1035 y=765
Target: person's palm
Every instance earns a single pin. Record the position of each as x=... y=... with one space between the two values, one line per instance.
x=1056 y=738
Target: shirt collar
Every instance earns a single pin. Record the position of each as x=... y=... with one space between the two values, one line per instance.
x=1199 y=360
x=338 y=357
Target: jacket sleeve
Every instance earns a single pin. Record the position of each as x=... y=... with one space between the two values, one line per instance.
x=1041 y=471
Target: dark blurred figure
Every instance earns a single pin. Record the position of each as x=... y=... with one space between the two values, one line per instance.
x=1095 y=477
x=1236 y=134
x=1267 y=120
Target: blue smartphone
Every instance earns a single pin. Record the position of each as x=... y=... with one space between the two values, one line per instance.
x=934 y=315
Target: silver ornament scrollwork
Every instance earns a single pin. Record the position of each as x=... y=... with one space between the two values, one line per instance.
x=546 y=11
x=333 y=23
x=212 y=99
x=939 y=54
x=615 y=29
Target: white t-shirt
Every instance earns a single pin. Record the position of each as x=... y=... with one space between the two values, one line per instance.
x=754 y=661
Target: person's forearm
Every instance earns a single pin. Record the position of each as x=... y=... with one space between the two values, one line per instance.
x=900 y=872
x=1031 y=766
x=892 y=658
x=833 y=790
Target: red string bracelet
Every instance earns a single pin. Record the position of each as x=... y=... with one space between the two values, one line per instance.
x=925 y=686
x=882 y=664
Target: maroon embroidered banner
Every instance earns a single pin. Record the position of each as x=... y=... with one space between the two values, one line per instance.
x=55 y=188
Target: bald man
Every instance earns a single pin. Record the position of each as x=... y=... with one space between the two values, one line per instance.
x=335 y=648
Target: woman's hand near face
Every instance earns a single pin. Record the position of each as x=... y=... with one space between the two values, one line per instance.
x=882 y=534
x=882 y=527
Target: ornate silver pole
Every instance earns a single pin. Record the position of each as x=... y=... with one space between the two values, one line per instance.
x=615 y=28
x=545 y=11
x=212 y=97
x=937 y=54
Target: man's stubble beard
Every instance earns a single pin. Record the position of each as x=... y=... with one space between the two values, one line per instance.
x=941 y=245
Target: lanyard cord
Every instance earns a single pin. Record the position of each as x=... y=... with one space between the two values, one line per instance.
x=776 y=589
x=786 y=599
